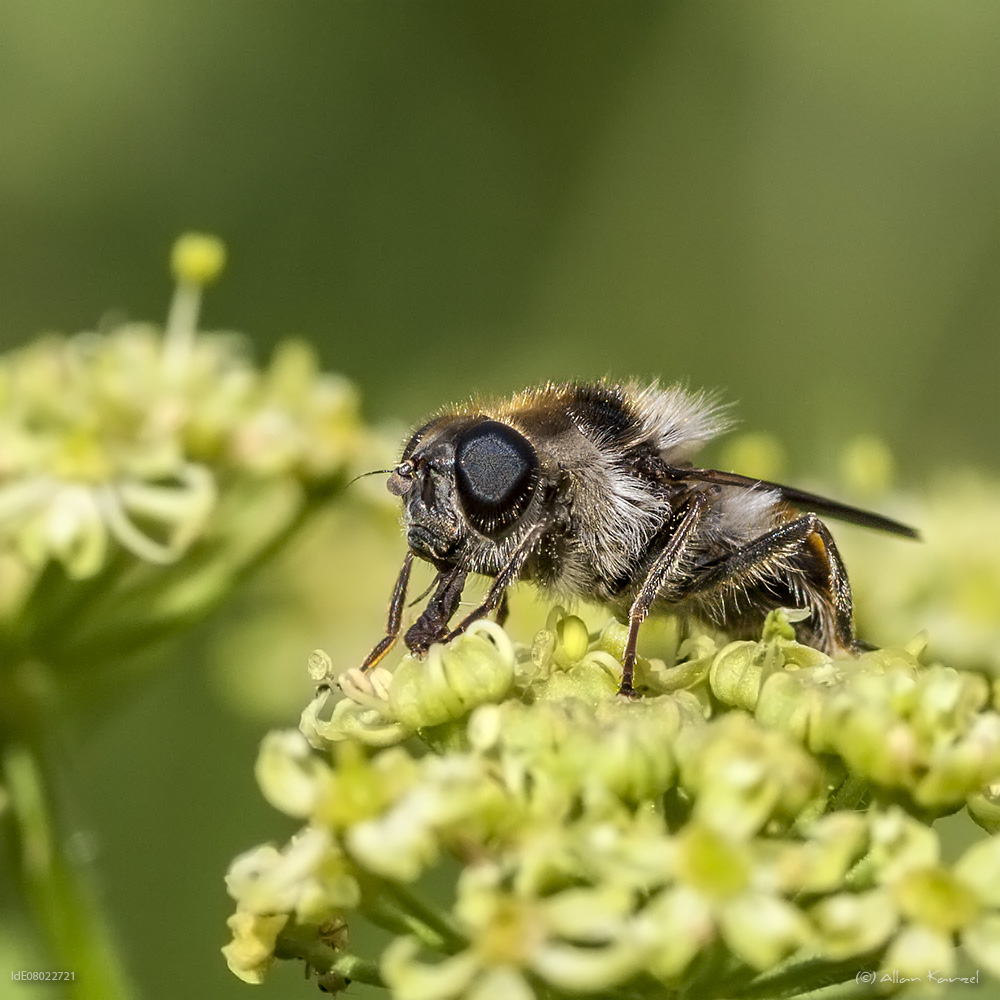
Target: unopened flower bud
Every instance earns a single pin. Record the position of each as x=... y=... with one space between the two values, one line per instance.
x=474 y=669
x=197 y=258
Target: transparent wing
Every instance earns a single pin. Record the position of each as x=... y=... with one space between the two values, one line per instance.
x=800 y=499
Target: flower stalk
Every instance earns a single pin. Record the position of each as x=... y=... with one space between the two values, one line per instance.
x=56 y=880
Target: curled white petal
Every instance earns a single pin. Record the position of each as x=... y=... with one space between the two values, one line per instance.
x=501 y=983
x=129 y=535
x=399 y=845
x=493 y=631
x=21 y=497
x=184 y=506
x=266 y=880
x=70 y=528
x=411 y=979
x=183 y=510
x=586 y=969
x=291 y=777
x=368 y=688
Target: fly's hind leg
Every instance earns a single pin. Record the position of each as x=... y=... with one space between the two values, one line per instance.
x=801 y=559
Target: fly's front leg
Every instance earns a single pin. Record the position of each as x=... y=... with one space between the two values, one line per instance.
x=496 y=595
x=800 y=551
x=395 y=615
x=503 y=610
x=665 y=570
x=432 y=625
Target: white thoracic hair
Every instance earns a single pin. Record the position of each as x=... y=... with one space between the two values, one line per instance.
x=678 y=421
x=620 y=512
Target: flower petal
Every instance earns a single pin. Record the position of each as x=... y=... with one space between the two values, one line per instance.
x=410 y=979
x=289 y=774
x=916 y=951
x=502 y=983
x=981 y=942
x=762 y=930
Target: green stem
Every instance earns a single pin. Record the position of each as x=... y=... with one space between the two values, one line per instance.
x=861 y=875
x=356 y=969
x=58 y=885
x=399 y=911
x=849 y=795
x=427 y=914
x=705 y=971
x=294 y=943
x=390 y=918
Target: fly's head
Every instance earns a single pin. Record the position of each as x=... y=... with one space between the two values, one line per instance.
x=467 y=483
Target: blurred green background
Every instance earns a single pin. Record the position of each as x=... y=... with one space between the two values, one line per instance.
x=795 y=202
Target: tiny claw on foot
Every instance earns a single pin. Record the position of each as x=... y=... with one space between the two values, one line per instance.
x=628 y=692
x=859 y=647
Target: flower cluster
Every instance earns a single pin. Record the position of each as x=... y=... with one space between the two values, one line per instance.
x=129 y=434
x=928 y=733
x=692 y=841
x=145 y=472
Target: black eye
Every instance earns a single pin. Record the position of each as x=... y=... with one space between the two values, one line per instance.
x=495 y=471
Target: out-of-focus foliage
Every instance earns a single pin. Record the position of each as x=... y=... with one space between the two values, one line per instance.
x=496 y=194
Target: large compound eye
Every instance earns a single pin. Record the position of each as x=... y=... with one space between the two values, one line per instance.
x=495 y=471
